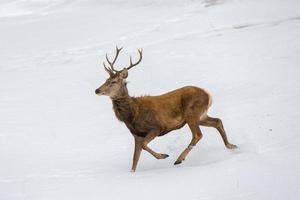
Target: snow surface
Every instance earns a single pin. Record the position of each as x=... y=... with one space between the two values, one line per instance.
x=60 y=141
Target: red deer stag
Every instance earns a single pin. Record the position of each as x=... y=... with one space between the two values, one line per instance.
x=150 y=116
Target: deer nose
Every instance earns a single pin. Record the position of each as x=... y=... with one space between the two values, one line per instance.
x=97 y=91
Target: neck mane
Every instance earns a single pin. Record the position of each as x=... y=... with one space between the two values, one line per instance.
x=123 y=105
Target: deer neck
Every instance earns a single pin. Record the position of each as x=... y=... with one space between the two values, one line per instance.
x=123 y=105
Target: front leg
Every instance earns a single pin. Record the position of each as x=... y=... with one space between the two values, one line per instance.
x=146 y=140
x=137 y=152
x=141 y=143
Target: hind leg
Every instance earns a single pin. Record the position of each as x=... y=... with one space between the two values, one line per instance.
x=196 y=136
x=217 y=123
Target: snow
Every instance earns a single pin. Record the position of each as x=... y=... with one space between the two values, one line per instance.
x=58 y=140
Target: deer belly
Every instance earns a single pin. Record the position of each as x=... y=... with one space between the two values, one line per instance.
x=171 y=124
x=171 y=128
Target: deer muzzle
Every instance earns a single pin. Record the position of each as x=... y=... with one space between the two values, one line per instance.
x=99 y=92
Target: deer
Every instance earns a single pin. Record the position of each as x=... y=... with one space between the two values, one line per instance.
x=148 y=117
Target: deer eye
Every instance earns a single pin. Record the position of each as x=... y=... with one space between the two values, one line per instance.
x=113 y=82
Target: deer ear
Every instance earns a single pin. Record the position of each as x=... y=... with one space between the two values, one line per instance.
x=124 y=73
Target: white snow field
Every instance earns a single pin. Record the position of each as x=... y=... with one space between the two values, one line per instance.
x=59 y=141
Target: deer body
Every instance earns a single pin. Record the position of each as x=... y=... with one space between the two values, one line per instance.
x=150 y=116
x=163 y=113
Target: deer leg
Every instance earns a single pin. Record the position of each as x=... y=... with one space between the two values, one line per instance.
x=197 y=135
x=137 y=152
x=147 y=140
x=141 y=143
x=217 y=123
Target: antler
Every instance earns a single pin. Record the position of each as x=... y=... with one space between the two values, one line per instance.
x=108 y=70
x=140 y=59
x=111 y=69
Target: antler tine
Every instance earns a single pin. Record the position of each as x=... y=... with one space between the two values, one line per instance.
x=108 y=70
x=116 y=56
x=140 y=59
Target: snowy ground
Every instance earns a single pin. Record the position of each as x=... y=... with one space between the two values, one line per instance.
x=59 y=141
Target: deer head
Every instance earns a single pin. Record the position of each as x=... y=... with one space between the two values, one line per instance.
x=115 y=85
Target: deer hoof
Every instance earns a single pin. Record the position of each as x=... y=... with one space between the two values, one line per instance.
x=163 y=156
x=231 y=146
x=178 y=162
